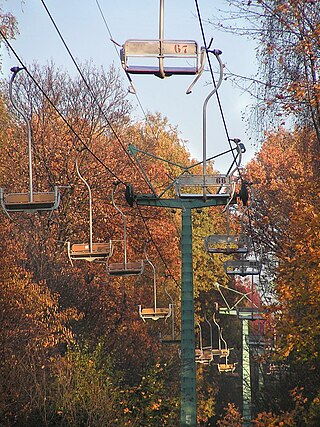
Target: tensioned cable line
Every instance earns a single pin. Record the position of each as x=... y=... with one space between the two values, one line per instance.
x=214 y=83
x=100 y=109
x=76 y=134
x=155 y=245
x=91 y=91
x=114 y=44
x=57 y=110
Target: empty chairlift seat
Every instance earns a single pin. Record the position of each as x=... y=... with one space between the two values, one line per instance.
x=121 y=266
x=160 y=57
x=32 y=201
x=226 y=367
x=154 y=313
x=249 y=313
x=217 y=186
x=129 y=268
x=242 y=267
x=99 y=252
x=226 y=244
x=25 y=202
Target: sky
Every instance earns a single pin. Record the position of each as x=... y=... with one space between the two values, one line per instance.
x=85 y=32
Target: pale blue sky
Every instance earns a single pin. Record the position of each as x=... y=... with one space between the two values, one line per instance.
x=84 y=31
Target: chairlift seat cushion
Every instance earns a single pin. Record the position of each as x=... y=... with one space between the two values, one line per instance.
x=198 y=352
x=207 y=354
x=158 y=313
x=168 y=71
x=226 y=367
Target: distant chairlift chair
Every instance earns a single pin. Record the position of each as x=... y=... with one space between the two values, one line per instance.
x=124 y=268
x=154 y=312
x=32 y=201
x=228 y=243
x=98 y=252
x=220 y=351
x=242 y=267
x=172 y=337
x=209 y=186
x=160 y=57
x=207 y=355
x=198 y=348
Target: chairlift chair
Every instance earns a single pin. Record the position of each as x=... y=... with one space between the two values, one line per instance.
x=226 y=367
x=199 y=349
x=229 y=243
x=208 y=186
x=242 y=267
x=203 y=354
x=124 y=268
x=29 y=202
x=155 y=312
x=171 y=338
x=207 y=356
x=220 y=351
x=163 y=58
x=226 y=244
x=98 y=252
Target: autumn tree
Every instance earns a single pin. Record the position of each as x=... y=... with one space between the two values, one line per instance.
x=286 y=85
x=286 y=228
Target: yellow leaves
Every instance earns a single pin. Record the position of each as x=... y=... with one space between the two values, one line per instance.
x=156 y=405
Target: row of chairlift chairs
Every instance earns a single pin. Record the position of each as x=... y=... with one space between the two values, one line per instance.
x=159 y=54
x=207 y=354
x=186 y=185
x=239 y=245
x=102 y=251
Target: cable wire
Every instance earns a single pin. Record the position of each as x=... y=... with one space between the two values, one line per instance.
x=213 y=79
x=155 y=245
x=102 y=112
x=90 y=89
x=57 y=110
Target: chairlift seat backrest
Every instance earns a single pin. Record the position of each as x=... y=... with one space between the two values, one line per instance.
x=125 y=269
x=242 y=267
x=198 y=186
x=23 y=202
x=227 y=244
x=224 y=352
x=249 y=313
x=99 y=252
x=166 y=50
